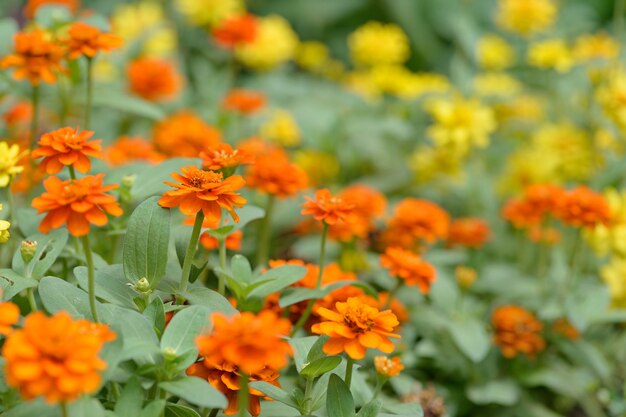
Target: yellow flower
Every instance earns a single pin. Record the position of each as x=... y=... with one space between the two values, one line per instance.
x=209 y=12
x=528 y=166
x=614 y=276
x=145 y=21
x=377 y=43
x=597 y=46
x=275 y=44
x=496 y=84
x=9 y=159
x=321 y=167
x=525 y=108
x=430 y=163
x=494 y=53
x=526 y=17
x=461 y=123
x=610 y=94
x=607 y=141
x=420 y=84
x=4 y=231
x=551 y=54
x=611 y=239
x=282 y=128
x=312 y=56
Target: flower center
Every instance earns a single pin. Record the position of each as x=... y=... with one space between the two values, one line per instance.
x=358 y=320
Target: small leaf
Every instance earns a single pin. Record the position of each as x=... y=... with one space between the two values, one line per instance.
x=274 y=393
x=301 y=347
x=209 y=298
x=180 y=334
x=339 y=401
x=321 y=366
x=195 y=391
x=57 y=295
x=371 y=409
x=110 y=285
x=177 y=410
x=241 y=270
x=471 y=337
x=49 y=247
x=15 y=283
x=503 y=392
x=131 y=398
x=153 y=409
x=316 y=351
x=279 y=278
x=127 y=104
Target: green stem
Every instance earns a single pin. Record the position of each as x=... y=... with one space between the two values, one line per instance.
x=35 y=116
x=89 y=92
x=379 y=386
x=306 y=407
x=30 y=294
x=242 y=395
x=349 y=367
x=264 y=232
x=191 y=250
x=72 y=171
x=309 y=307
x=392 y=294
x=64 y=411
x=91 y=278
x=214 y=412
x=221 y=285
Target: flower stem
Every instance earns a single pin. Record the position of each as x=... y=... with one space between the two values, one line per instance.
x=72 y=171
x=306 y=407
x=30 y=294
x=191 y=250
x=318 y=284
x=264 y=232
x=91 y=278
x=349 y=366
x=221 y=285
x=34 y=117
x=64 y=410
x=214 y=412
x=242 y=395
x=89 y=92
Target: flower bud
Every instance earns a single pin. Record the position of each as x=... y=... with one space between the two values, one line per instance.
x=388 y=367
x=28 y=249
x=128 y=181
x=142 y=286
x=465 y=276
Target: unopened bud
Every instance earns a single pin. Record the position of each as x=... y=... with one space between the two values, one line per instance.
x=169 y=354
x=128 y=181
x=142 y=286
x=28 y=249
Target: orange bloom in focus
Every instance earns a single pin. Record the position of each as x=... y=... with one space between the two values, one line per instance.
x=250 y=342
x=275 y=175
x=538 y=201
x=233 y=241
x=244 y=101
x=388 y=367
x=517 y=331
x=67 y=147
x=87 y=40
x=153 y=79
x=469 y=232
x=328 y=208
x=409 y=267
x=415 y=220
x=129 y=149
x=9 y=315
x=204 y=190
x=184 y=134
x=55 y=357
x=77 y=203
x=369 y=204
x=355 y=326
x=31 y=7
x=36 y=58
x=236 y=30
x=223 y=157
x=583 y=207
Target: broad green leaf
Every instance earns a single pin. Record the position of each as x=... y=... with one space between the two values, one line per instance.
x=320 y=366
x=153 y=409
x=33 y=408
x=471 y=338
x=177 y=410
x=131 y=399
x=146 y=242
x=502 y=392
x=301 y=348
x=49 y=247
x=274 y=393
x=140 y=340
x=15 y=283
x=371 y=409
x=278 y=279
x=110 y=285
x=209 y=298
x=155 y=313
x=339 y=401
x=241 y=270
x=127 y=104
x=195 y=391
x=86 y=407
x=57 y=295
x=317 y=350
x=184 y=327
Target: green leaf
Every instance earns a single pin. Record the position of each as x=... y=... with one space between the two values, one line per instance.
x=371 y=409
x=8 y=27
x=221 y=233
x=27 y=218
x=241 y=269
x=110 y=285
x=317 y=350
x=86 y=407
x=131 y=398
x=502 y=392
x=36 y=407
x=275 y=393
x=195 y=391
x=301 y=347
x=183 y=329
x=320 y=366
x=339 y=401
x=155 y=313
x=177 y=410
x=127 y=104
x=146 y=242
x=57 y=295
x=279 y=278
x=140 y=340
x=49 y=247
x=471 y=337
x=153 y=409
x=15 y=283
x=209 y=298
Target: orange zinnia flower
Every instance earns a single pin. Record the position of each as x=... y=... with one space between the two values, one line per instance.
x=184 y=134
x=236 y=30
x=19 y=114
x=583 y=207
x=275 y=175
x=537 y=202
x=409 y=267
x=9 y=315
x=55 y=357
x=388 y=367
x=222 y=157
x=369 y=204
x=233 y=241
x=77 y=203
x=36 y=57
x=328 y=208
x=415 y=221
x=355 y=326
x=67 y=147
x=31 y=7
x=244 y=101
x=153 y=79
x=248 y=341
x=87 y=40
x=565 y=328
x=259 y=147
x=225 y=378
x=517 y=331
x=204 y=190
x=129 y=149
x=470 y=232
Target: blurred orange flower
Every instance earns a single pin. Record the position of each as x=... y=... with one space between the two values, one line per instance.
x=517 y=331
x=184 y=134
x=244 y=101
x=36 y=57
x=19 y=114
x=355 y=326
x=222 y=157
x=55 y=357
x=415 y=221
x=583 y=207
x=77 y=203
x=537 y=201
x=153 y=79
x=9 y=315
x=236 y=30
x=87 y=40
x=369 y=204
x=208 y=191
x=470 y=232
x=129 y=149
x=233 y=241
x=565 y=328
x=275 y=175
x=409 y=267
x=388 y=367
x=67 y=147
x=328 y=208
x=31 y=7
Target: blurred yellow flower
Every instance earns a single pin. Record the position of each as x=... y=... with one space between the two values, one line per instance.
x=611 y=239
x=596 y=46
x=465 y=276
x=607 y=141
x=523 y=108
x=321 y=167
x=430 y=163
x=526 y=17
x=209 y=12
x=494 y=53
x=496 y=84
x=422 y=83
x=145 y=22
x=378 y=43
x=614 y=276
x=611 y=96
x=527 y=166
x=10 y=156
x=460 y=123
x=5 y=234
x=312 y=55
x=281 y=128
x=275 y=44
x=551 y=54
